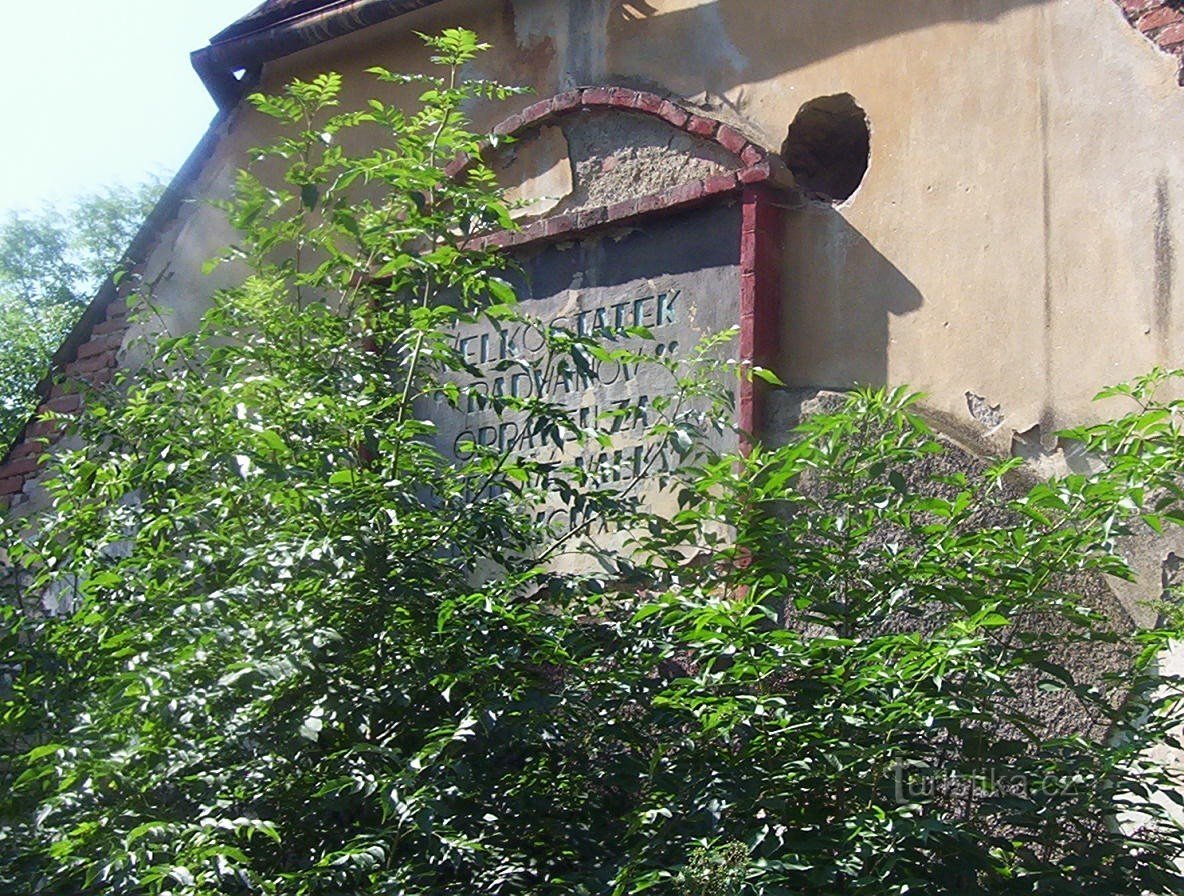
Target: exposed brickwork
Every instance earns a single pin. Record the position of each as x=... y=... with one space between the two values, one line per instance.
x=1161 y=21
x=94 y=364
x=755 y=164
x=625 y=99
x=89 y=355
x=760 y=299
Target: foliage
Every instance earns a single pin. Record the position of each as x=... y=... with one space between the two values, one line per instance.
x=311 y=652
x=51 y=263
x=30 y=336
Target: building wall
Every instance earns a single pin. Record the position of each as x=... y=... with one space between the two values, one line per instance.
x=1015 y=235
x=1012 y=248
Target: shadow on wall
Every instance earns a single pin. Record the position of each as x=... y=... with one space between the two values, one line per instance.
x=840 y=294
x=741 y=41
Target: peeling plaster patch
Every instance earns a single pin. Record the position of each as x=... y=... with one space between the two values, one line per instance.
x=721 y=43
x=1048 y=455
x=1026 y=444
x=535 y=21
x=1045 y=460
x=989 y=415
x=1172 y=576
x=536 y=173
x=1165 y=263
x=587 y=41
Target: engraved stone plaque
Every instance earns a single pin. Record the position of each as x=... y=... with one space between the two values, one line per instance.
x=677 y=276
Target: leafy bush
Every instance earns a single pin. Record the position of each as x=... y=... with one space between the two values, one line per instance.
x=309 y=652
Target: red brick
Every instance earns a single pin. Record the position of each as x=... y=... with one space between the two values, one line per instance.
x=649 y=102
x=100 y=345
x=12 y=485
x=754 y=174
x=673 y=114
x=680 y=195
x=720 y=183
x=1158 y=18
x=592 y=217
x=497 y=240
x=651 y=203
x=752 y=155
x=534 y=231
x=620 y=210
x=26 y=449
x=45 y=428
x=117 y=309
x=63 y=404
x=731 y=139
x=117 y=325
x=565 y=102
x=89 y=365
x=1134 y=7
x=560 y=224
x=457 y=165
x=536 y=112
x=701 y=127
x=22 y=467
x=624 y=98
x=1171 y=36
x=509 y=126
x=598 y=96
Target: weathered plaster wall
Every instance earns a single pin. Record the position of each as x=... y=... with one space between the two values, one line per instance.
x=1016 y=236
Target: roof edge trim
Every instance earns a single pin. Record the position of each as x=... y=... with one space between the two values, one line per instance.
x=217 y=63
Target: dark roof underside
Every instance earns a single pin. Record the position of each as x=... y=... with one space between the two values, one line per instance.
x=269 y=13
x=279 y=28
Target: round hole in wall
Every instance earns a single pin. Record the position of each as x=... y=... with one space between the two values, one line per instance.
x=828 y=147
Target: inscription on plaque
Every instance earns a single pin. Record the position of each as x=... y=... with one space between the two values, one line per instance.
x=677 y=278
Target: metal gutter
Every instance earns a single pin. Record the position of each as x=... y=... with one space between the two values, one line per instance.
x=218 y=64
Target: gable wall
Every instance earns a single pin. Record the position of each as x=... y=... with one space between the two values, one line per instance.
x=1014 y=244
x=1015 y=234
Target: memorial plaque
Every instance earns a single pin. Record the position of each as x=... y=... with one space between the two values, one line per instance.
x=677 y=276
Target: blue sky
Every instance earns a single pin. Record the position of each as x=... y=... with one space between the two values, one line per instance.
x=100 y=91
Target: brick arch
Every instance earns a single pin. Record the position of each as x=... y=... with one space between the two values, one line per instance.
x=625 y=99
x=755 y=165
x=90 y=356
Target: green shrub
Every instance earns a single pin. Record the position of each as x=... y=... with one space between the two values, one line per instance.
x=308 y=652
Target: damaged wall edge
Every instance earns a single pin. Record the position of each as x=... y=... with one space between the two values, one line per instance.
x=178 y=191
x=217 y=63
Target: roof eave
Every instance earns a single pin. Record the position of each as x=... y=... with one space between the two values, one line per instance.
x=218 y=63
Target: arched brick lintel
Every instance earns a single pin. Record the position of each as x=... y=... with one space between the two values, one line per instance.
x=624 y=99
x=755 y=164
